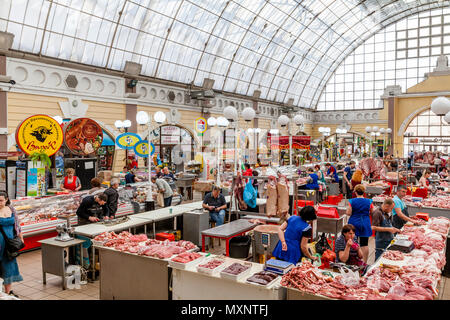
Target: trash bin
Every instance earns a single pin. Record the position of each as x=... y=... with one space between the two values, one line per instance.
x=239 y=247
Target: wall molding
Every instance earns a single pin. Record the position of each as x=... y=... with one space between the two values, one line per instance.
x=408 y=119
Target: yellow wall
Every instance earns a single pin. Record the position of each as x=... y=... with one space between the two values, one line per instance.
x=108 y=113
x=22 y=106
x=431 y=84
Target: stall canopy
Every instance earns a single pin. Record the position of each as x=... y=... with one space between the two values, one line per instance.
x=107 y=140
x=282 y=142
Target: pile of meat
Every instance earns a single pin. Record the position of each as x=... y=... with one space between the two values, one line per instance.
x=309 y=279
x=186 y=257
x=140 y=244
x=212 y=264
x=440 y=224
x=105 y=236
x=263 y=278
x=419 y=221
x=442 y=202
x=393 y=255
x=370 y=166
x=235 y=269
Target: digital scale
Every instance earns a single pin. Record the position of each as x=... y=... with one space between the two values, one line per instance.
x=278 y=266
x=402 y=245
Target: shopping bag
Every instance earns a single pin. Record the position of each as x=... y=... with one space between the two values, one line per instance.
x=160 y=200
x=250 y=195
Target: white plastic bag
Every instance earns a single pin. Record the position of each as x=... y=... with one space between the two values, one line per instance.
x=349 y=278
x=73 y=277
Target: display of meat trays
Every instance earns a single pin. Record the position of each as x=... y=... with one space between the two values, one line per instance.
x=245 y=272
x=260 y=284
x=404 y=246
x=181 y=265
x=213 y=261
x=278 y=266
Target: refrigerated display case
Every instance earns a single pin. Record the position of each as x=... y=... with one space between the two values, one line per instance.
x=8 y=177
x=40 y=216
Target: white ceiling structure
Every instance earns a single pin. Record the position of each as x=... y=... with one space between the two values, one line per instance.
x=284 y=48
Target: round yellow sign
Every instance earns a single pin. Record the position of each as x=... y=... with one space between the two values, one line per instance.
x=39 y=133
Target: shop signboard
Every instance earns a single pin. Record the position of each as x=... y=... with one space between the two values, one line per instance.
x=170 y=139
x=170 y=130
x=39 y=133
x=142 y=148
x=127 y=140
x=83 y=136
x=200 y=125
x=282 y=142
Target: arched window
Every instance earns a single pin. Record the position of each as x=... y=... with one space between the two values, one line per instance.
x=427 y=132
x=167 y=137
x=352 y=142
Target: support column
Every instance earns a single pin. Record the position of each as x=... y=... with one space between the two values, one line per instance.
x=3 y=108
x=391 y=124
x=130 y=114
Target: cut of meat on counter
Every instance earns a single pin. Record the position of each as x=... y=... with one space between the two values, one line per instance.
x=263 y=278
x=212 y=264
x=393 y=255
x=186 y=257
x=236 y=268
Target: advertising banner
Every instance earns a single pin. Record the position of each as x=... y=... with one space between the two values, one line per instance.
x=39 y=133
x=83 y=136
x=282 y=142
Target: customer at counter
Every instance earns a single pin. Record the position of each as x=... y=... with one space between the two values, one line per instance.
x=347 y=247
x=164 y=188
x=424 y=181
x=215 y=203
x=359 y=210
x=348 y=173
x=400 y=213
x=294 y=235
x=92 y=209
x=332 y=172
x=96 y=185
x=168 y=174
x=130 y=177
x=113 y=197
x=248 y=170
x=382 y=225
x=158 y=172
x=71 y=182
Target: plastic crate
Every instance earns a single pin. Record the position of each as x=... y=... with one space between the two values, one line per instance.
x=165 y=236
x=326 y=212
x=423 y=215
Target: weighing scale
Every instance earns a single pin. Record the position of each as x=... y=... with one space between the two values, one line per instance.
x=278 y=266
x=402 y=245
x=265 y=240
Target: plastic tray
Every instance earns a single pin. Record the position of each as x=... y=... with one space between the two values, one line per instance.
x=238 y=276
x=263 y=285
x=180 y=265
x=211 y=271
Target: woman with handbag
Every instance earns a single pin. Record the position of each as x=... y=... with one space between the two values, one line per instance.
x=9 y=226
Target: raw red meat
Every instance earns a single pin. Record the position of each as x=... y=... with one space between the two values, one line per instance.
x=393 y=255
x=212 y=264
x=186 y=257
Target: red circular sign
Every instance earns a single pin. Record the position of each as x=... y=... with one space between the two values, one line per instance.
x=83 y=136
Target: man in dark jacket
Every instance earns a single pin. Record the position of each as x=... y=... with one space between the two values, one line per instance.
x=113 y=197
x=92 y=209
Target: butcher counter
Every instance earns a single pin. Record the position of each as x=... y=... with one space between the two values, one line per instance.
x=190 y=284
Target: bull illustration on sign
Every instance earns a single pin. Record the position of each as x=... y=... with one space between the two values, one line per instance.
x=41 y=133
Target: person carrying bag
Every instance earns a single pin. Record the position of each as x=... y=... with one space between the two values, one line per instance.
x=12 y=245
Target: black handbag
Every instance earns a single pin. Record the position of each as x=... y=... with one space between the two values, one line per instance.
x=12 y=246
x=322 y=244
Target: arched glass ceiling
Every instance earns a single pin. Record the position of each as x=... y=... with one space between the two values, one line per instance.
x=285 y=48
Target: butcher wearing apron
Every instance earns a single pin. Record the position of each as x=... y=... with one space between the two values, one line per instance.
x=397 y=222
x=383 y=239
